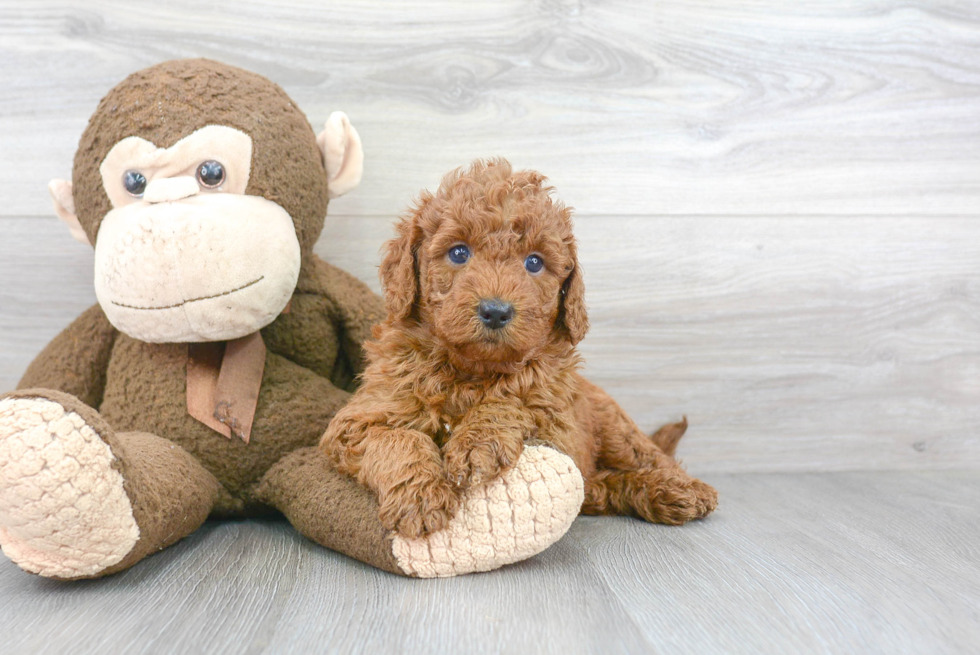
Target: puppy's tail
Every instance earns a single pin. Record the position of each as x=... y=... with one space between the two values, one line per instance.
x=667 y=437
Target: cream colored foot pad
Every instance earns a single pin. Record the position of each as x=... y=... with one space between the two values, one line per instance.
x=514 y=517
x=63 y=510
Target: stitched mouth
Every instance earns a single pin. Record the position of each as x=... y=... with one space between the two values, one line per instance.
x=187 y=302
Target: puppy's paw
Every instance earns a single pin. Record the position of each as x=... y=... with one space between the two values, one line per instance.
x=516 y=516
x=676 y=500
x=420 y=506
x=473 y=459
x=707 y=498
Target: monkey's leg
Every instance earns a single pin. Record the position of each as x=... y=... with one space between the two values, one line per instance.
x=80 y=501
x=512 y=518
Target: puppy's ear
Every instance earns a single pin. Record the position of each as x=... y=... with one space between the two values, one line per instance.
x=399 y=266
x=573 y=319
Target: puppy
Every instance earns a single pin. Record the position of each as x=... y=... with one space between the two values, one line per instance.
x=477 y=356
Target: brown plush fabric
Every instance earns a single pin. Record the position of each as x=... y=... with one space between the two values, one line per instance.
x=305 y=487
x=174 y=466
x=175 y=469
x=326 y=292
x=146 y=392
x=75 y=361
x=166 y=102
x=170 y=493
x=146 y=389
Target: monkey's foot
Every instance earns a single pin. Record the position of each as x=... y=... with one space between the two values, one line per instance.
x=63 y=510
x=512 y=518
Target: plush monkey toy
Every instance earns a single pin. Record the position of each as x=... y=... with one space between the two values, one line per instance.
x=219 y=350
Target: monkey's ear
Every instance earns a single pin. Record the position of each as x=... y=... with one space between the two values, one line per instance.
x=340 y=146
x=64 y=207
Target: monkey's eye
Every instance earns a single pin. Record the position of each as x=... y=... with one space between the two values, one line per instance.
x=459 y=253
x=210 y=174
x=135 y=183
x=534 y=264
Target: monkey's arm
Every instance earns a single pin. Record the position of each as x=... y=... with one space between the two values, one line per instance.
x=355 y=308
x=76 y=360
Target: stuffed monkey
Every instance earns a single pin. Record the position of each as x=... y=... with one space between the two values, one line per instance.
x=219 y=349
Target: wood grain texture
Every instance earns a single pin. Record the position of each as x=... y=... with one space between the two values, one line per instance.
x=790 y=343
x=805 y=343
x=779 y=217
x=777 y=203
x=689 y=107
x=833 y=562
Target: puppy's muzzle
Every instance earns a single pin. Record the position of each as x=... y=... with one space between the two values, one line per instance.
x=495 y=313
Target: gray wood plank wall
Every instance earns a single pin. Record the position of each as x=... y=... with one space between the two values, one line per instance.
x=778 y=204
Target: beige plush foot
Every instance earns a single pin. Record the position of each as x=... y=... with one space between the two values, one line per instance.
x=63 y=510
x=510 y=519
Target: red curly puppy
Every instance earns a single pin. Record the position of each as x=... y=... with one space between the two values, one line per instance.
x=477 y=356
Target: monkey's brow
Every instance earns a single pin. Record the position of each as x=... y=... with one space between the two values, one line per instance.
x=182 y=303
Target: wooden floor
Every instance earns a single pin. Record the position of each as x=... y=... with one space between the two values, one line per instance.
x=791 y=563
x=778 y=205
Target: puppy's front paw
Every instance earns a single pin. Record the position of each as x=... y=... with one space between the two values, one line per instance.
x=473 y=459
x=423 y=504
x=514 y=517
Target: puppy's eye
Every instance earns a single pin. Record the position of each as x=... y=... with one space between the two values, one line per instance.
x=534 y=263
x=135 y=183
x=459 y=253
x=210 y=174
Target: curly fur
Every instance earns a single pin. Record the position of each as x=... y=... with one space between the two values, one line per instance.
x=447 y=403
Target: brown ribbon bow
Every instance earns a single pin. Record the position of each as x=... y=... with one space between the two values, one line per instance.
x=223 y=382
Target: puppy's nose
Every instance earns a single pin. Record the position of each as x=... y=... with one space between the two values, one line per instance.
x=495 y=313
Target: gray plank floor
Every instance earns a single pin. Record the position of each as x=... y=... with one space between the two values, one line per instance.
x=882 y=562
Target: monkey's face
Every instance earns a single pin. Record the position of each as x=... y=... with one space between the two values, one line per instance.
x=203 y=188
x=184 y=255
